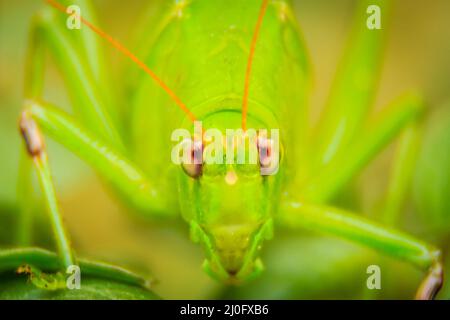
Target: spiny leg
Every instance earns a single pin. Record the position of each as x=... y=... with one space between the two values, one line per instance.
x=355 y=228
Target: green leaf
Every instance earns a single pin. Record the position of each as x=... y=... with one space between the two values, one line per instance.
x=18 y=288
x=98 y=280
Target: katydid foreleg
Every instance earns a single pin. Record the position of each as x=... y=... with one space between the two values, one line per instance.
x=126 y=177
x=93 y=137
x=36 y=150
x=117 y=169
x=355 y=228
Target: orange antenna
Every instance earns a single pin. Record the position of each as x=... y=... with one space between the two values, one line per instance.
x=248 y=72
x=127 y=53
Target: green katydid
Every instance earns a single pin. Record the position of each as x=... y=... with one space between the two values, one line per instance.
x=230 y=64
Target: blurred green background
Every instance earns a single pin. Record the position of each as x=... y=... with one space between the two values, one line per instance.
x=297 y=265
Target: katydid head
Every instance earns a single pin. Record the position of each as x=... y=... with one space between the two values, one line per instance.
x=229 y=205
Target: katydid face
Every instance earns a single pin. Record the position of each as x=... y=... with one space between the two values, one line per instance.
x=229 y=206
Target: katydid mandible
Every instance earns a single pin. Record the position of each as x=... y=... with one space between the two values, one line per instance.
x=231 y=65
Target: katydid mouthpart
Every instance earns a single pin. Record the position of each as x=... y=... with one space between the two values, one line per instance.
x=229 y=64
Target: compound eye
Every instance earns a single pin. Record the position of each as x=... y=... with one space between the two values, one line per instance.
x=265 y=152
x=193 y=162
x=269 y=156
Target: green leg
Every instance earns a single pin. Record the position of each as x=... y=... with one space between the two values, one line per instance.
x=383 y=239
x=400 y=178
x=334 y=176
x=128 y=179
x=25 y=199
x=36 y=150
x=354 y=86
x=125 y=176
x=93 y=137
x=49 y=33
